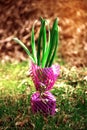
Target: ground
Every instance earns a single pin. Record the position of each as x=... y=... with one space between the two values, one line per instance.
x=16 y=87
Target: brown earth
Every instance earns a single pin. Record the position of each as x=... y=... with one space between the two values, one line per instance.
x=17 y=17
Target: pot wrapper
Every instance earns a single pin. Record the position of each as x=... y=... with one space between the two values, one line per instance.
x=44 y=78
x=45 y=104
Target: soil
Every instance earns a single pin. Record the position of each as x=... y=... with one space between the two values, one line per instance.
x=17 y=18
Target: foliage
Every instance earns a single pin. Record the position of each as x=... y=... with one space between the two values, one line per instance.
x=46 y=50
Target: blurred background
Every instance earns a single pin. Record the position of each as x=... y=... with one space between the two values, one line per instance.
x=18 y=16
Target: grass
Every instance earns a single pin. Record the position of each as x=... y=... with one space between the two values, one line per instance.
x=16 y=88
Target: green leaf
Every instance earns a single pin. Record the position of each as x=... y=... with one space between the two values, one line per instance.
x=24 y=47
x=52 y=43
x=55 y=49
x=33 y=45
x=44 y=40
x=44 y=47
x=39 y=42
x=44 y=58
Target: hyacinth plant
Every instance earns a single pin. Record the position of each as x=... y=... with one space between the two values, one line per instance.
x=42 y=70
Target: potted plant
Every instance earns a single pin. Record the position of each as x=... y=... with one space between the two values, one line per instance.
x=42 y=70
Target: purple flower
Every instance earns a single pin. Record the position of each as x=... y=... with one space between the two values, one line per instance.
x=44 y=78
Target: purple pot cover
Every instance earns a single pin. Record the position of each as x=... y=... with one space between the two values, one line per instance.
x=45 y=103
x=44 y=78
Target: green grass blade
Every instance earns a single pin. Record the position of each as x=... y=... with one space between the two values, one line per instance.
x=24 y=47
x=33 y=45
x=39 y=42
